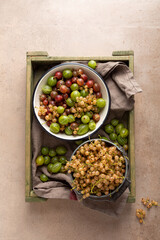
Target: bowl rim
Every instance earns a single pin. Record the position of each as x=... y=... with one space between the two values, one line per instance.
x=79 y=64
x=126 y=172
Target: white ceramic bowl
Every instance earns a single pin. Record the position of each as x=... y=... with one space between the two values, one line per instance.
x=92 y=74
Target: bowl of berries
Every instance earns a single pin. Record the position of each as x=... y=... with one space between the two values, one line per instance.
x=99 y=170
x=71 y=101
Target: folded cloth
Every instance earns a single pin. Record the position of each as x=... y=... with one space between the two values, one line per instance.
x=111 y=208
x=123 y=87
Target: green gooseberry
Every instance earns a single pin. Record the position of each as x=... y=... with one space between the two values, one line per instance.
x=46 y=89
x=49 y=167
x=101 y=102
x=51 y=81
x=62 y=159
x=68 y=130
x=119 y=127
x=56 y=167
x=43 y=178
x=46 y=160
x=40 y=160
x=61 y=150
x=85 y=119
x=122 y=141
x=114 y=122
x=78 y=142
x=89 y=114
x=60 y=109
x=124 y=132
x=63 y=120
x=83 y=129
x=55 y=127
x=92 y=64
x=92 y=125
x=109 y=128
x=70 y=102
x=71 y=118
x=67 y=73
x=84 y=93
x=52 y=152
x=74 y=95
x=74 y=86
x=54 y=159
x=113 y=136
x=45 y=150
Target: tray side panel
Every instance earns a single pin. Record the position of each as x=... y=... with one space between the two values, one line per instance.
x=132 y=196
x=29 y=194
x=28 y=128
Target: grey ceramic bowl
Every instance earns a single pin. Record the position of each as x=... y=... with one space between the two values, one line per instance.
x=121 y=188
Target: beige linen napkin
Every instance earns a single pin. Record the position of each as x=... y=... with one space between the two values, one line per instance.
x=123 y=87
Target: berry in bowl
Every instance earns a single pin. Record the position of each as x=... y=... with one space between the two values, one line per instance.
x=71 y=101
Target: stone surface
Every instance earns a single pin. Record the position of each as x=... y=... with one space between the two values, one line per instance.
x=77 y=28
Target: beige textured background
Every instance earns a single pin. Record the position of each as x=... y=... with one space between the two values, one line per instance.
x=77 y=28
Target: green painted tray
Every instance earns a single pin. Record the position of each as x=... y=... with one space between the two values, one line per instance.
x=37 y=64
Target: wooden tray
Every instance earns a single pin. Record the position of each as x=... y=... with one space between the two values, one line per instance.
x=37 y=64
